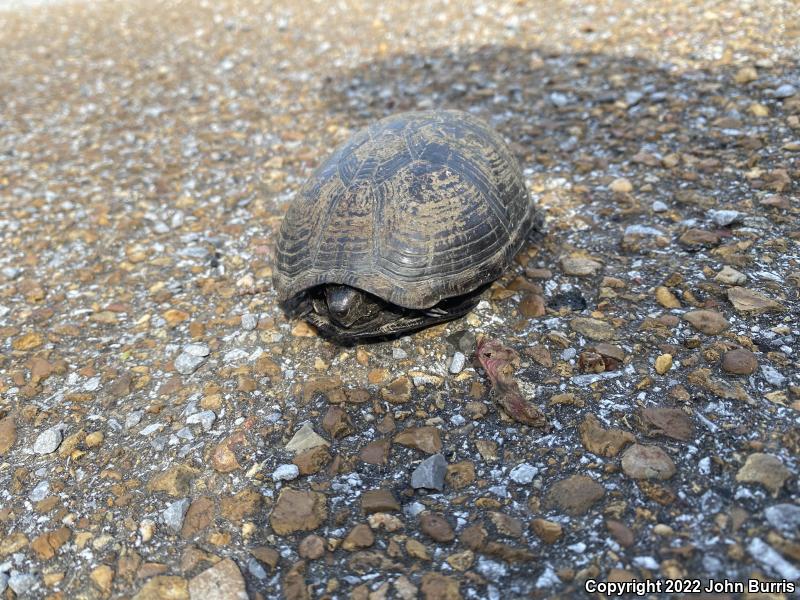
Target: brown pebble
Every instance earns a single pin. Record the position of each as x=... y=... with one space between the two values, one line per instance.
x=337 y=423
x=374 y=501
x=620 y=532
x=574 y=495
x=709 y=322
x=426 y=439
x=312 y=460
x=548 y=531
x=360 y=536
x=739 y=362
x=297 y=510
x=376 y=452
x=436 y=527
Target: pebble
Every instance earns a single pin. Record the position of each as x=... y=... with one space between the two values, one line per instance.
x=187 y=363
x=255 y=569
x=427 y=439
x=663 y=363
x=772 y=376
x=723 y=218
x=773 y=562
x=311 y=547
x=206 y=419
x=558 y=99
x=642 y=230
x=236 y=355
x=786 y=90
x=523 y=473
x=580 y=267
x=647 y=462
x=197 y=349
x=305 y=438
x=223 y=581
x=752 y=302
x=457 y=362
x=658 y=206
x=621 y=186
x=286 y=473
x=249 y=321
x=730 y=276
x=548 y=531
x=594 y=329
x=359 y=537
x=574 y=495
x=436 y=527
x=173 y=515
x=298 y=510
x=40 y=491
x=48 y=441
x=603 y=442
x=766 y=469
x=23 y=584
x=430 y=473
x=709 y=322
x=784 y=517
x=379 y=501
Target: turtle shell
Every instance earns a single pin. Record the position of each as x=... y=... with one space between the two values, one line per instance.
x=415 y=208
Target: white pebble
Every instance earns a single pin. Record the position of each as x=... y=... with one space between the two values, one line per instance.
x=457 y=362
x=523 y=473
x=285 y=473
x=48 y=441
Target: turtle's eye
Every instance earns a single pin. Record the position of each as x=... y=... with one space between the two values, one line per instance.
x=347 y=305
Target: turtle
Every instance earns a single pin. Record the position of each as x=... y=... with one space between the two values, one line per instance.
x=403 y=226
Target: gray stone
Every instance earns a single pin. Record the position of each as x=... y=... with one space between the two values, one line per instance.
x=195 y=252
x=48 y=441
x=773 y=562
x=255 y=568
x=23 y=584
x=490 y=569
x=234 y=356
x=206 y=419
x=430 y=473
x=723 y=218
x=197 y=349
x=249 y=322
x=772 y=375
x=133 y=418
x=523 y=473
x=186 y=363
x=399 y=354
x=633 y=97
x=642 y=230
x=659 y=207
x=174 y=513
x=457 y=362
x=40 y=491
x=784 y=517
x=787 y=90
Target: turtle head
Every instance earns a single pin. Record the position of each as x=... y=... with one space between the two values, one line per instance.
x=348 y=306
